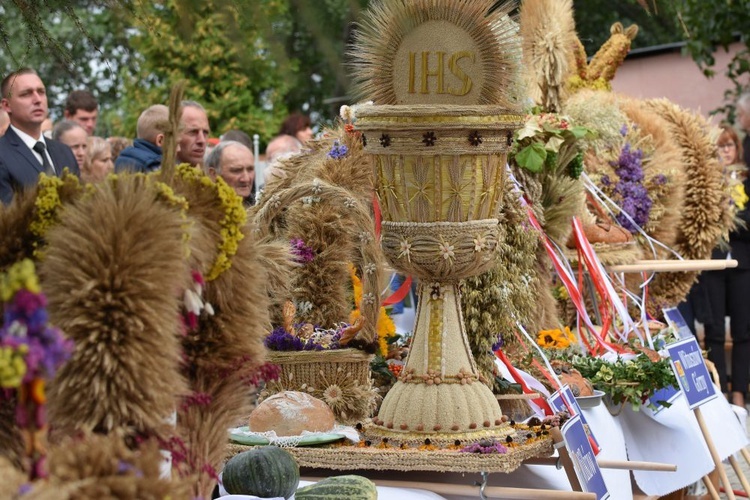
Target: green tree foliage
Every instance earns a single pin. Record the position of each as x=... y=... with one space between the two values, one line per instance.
x=712 y=26
x=655 y=26
x=223 y=52
x=73 y=44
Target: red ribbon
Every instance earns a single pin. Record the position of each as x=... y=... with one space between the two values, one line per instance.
x=399 y=294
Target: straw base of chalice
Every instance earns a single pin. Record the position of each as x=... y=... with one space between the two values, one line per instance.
x=439 y=395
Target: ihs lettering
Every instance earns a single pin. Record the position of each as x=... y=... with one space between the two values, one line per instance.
x=439 y=72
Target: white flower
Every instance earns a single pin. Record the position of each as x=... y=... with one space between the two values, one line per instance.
x=18 y=329
x=317 y=188
x=193 y=302
x=365 y=237
x=479 y=243
x=259 y=197
x=346 y=113
x=309 y=200
x=208 y=308
x=350 y=203
x=368 y=299
x=446 y=249
x=275 y=201
x=405 y=250
x=304 y=307
x=370 y=268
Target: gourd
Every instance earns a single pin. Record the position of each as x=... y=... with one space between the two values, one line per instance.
x=339 y=487
x=265 y=472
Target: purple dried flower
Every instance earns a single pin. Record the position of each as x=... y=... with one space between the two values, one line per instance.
x=605 y=180
x=302 y=252
x=660 y=180
x=485 y=446
x=498 y=343
x=624 y=129
x=338 y=151
x=632 y=195
x=281 y=340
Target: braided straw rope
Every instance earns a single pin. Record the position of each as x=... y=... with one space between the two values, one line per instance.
x=375 y=458
x=441 y=251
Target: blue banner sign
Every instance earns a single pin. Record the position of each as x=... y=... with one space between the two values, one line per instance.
x=691 y=372
x=675 y=320
x=584 y=461
x=564 y=400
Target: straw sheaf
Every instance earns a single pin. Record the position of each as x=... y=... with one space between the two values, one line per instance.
x=240 y=299
x=203 y=427
x=665 y=160
x=104 y=467
x=335 y=220
x=548 y=33
x=16 y=240
x=386 y=24
x=703 y=215
x=113 y=274
x=11 y=441
x=492 y=302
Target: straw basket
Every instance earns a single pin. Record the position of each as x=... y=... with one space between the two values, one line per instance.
x=340 y=377
x=439 y=173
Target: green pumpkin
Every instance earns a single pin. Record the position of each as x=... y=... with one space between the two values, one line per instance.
x=339 y=487
x=265 y=472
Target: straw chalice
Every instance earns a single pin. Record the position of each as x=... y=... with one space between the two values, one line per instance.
x=439 y=174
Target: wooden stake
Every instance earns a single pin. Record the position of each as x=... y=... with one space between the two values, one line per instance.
x=611 y=464
x=710 y=486
x=714 y=454
x=740 y=475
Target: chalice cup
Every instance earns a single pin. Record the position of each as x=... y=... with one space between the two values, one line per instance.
x=439 y=175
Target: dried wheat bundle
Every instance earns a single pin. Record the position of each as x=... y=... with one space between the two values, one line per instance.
x=705 y=213
x=98 y=466
x=113 y=272
x=23 y=222
x=202 y=425
x=548 y=34
x=492 y=302
x=388 y=23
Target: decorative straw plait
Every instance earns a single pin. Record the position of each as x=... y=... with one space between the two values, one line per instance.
x=376 y=458
x=367 y=245
x=442 y=251
x=309 y=368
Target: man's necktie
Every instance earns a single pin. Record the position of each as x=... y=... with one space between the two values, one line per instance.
x=40 y=148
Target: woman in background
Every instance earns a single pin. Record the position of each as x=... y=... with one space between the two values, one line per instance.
x=75 y=137
x=98 y=161
x=727 y=291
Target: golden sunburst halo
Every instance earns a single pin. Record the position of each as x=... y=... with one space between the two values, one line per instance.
x=438 y=52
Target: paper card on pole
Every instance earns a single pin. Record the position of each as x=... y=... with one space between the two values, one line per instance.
x=564 y=400
x=675 y=320
x=692 y=374
x=584 y=461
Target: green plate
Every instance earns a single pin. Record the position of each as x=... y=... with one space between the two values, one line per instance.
x=237 y=436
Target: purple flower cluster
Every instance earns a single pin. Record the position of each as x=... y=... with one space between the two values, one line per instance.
x=25 y=324
x=485 y=446
x=281 y=340
x=338 y=151
x=302 y=252
x=632 y=194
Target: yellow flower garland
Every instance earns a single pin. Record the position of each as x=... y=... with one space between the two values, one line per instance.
x=385 y=325
x=232 y=222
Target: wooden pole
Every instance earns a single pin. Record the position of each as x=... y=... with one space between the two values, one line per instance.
x=565 y=459
x=674 y=266
x=489 y=491
x=714 y=454
x=710 y=487
x=740 y=475
x=611 y=464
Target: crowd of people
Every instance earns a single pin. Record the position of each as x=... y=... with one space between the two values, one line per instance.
x=30 y=144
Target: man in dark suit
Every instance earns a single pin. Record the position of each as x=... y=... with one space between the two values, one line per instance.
x=24 y=151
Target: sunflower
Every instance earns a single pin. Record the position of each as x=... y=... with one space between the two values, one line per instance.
x=556 y=338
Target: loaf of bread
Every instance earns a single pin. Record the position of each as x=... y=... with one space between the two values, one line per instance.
x=289 y=413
